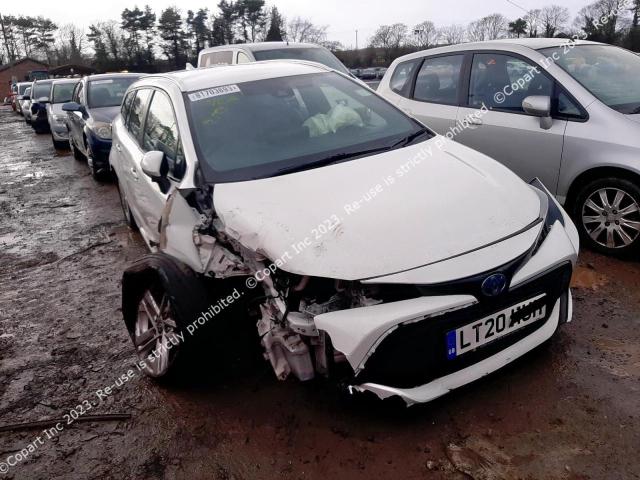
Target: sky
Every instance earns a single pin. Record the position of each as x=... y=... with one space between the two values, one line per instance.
x=342 y=17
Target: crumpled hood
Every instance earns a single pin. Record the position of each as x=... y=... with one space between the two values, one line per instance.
x=397 y=210
x=104 y=114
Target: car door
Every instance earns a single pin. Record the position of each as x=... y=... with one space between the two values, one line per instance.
x=74 y=118
x=160 y=133
x=435 y=93
x=501 y=129
x=129 y=153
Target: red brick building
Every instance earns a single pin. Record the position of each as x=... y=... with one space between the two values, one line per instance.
x=17 y=71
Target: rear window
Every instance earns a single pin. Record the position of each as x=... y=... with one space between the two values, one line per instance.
x=41 y=90
x=311 y=54
x=62 y=93
x=108 y=92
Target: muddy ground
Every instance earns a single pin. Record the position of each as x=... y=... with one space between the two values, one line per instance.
x=569 y=410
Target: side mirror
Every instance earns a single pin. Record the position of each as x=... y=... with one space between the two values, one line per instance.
x=43 y=100
x=539 y=106
x=152 y=163
x=72 y=107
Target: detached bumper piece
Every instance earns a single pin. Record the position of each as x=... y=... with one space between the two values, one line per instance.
x=416 y=353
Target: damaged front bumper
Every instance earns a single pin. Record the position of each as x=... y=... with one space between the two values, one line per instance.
x=400 y=349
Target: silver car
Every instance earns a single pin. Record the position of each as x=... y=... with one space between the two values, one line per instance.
x=565 y=111
x=61 y=92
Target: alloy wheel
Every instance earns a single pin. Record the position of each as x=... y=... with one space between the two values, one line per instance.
x=154 y=335
x=611 y=217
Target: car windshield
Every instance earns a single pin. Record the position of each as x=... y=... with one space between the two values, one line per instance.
x=62 y=92
x=22 y=88
x=609 y=73
x=318 y=55
x=108 y=92
x=41 y=89
x=268 y=127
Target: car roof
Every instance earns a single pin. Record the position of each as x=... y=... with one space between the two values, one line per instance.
x=58 y=81
x=258 y=46
x=539 y=43
x=215 y=76
x=107 y=76
x=515 y=43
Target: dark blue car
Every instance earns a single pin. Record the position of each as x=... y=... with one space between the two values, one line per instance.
x=95 y=103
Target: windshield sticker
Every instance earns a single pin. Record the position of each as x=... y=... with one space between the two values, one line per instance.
x=101 y=82
x=214 y=92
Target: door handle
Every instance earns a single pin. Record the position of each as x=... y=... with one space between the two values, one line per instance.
x=475 y=121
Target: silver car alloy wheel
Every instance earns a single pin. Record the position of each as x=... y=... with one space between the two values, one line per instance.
x=611 y=217
x=153 y=334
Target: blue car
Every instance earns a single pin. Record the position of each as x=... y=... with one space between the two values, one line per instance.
x=95 y=103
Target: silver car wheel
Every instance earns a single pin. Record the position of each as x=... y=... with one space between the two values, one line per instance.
x=153 y=334
x=611 y=217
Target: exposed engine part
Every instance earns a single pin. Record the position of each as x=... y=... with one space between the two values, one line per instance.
x=288 y=354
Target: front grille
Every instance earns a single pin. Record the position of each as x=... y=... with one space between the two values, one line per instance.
x=416 y=353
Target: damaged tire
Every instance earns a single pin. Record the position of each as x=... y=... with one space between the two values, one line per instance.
x=162 y=300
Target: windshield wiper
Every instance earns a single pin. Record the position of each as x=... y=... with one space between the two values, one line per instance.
x=347 y=155
x=331 y=159
x=408 y=139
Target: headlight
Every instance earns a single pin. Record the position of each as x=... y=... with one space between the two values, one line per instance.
x=552 y=213
x=59 y=118
x=103 y=130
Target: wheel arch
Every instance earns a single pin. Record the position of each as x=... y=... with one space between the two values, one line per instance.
x=593 y=174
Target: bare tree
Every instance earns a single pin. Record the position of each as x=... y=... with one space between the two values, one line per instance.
x=533 y=19
x=554 y=18
x=491 y=27
x=70 y=44
x=303 y=30
x=425 y=35
x=389 y=38
x=453 y=34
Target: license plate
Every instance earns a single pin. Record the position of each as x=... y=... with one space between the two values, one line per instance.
x=488 y=329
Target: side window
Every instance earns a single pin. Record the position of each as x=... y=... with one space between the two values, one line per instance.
x=135 y=120
x=126 y=106
x=242 y=58
x=161 y=133
x=224 y=57
x=567 y=108
x=401 y=79
x=438 y=80
x=502 y=82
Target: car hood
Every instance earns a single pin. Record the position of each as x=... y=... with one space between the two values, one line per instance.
x=380 y=214
x=635 y=117
x=104 y=114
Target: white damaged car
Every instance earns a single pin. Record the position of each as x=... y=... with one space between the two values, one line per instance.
x=362 y=246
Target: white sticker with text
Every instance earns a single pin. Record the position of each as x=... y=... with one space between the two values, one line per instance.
x=213 y=92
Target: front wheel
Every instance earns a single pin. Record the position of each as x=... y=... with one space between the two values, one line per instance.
x=60 y=144
x=607 y=213
x=167 y=310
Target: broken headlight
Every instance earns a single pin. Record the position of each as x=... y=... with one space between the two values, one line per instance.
x=550 y=210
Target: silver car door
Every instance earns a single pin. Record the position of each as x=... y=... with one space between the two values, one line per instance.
x=494 y=122
x=435 y=97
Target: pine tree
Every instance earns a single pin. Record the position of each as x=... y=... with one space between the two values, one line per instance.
x=276 y=26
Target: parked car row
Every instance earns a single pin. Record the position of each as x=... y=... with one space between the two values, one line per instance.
x=339 y=221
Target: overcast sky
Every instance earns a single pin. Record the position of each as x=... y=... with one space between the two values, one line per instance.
x=342 y=17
